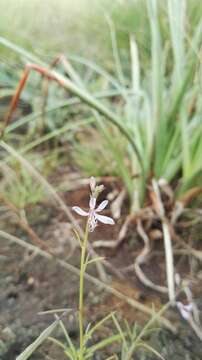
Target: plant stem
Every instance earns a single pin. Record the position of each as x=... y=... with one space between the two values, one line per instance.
x=81 y=290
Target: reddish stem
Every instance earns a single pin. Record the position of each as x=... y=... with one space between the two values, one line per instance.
x=21 y=85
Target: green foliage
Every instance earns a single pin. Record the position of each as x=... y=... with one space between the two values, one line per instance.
x=160 y=117
x=132 y=338
x=20 y=188
x=17 y=183
x=164 y=114
x=31 y=348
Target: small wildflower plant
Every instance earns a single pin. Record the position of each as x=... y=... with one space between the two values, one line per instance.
x=93 y=217
x=84 y=350
x=128 y=339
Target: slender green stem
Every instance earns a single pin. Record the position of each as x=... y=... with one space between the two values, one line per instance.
x=81 y=290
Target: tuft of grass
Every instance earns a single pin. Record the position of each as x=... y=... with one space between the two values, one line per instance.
x=161 y=119
x=163 y=116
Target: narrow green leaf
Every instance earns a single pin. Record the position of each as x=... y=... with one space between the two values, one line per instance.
x=102 y=344
x=152 y=350
x=32 y=347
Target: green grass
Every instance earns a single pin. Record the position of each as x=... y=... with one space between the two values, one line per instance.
x=48 y=27
x=155 y=68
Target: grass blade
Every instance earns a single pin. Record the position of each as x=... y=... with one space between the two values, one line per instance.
x=31 y=348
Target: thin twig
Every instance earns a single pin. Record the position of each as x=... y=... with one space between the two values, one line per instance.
x=132 y=302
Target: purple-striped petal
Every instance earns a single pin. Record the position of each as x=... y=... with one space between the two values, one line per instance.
x=102 y=206
x=104 y=219
x=79 y=211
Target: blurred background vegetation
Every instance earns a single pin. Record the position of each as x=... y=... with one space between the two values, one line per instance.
x=95 y=37
x=80 y=27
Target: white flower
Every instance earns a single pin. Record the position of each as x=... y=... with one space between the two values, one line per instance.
x=93 y=216
x=185 y=310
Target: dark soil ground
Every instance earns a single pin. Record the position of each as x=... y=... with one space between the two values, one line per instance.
x=30 y=284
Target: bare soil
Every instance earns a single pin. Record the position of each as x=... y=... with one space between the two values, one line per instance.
x=30 y=284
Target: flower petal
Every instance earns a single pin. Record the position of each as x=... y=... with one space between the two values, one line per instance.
x=189 y=307
x=79 y=211
x=105 y=219
x=185 y=310
x=92 y=203
x=102 y=206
